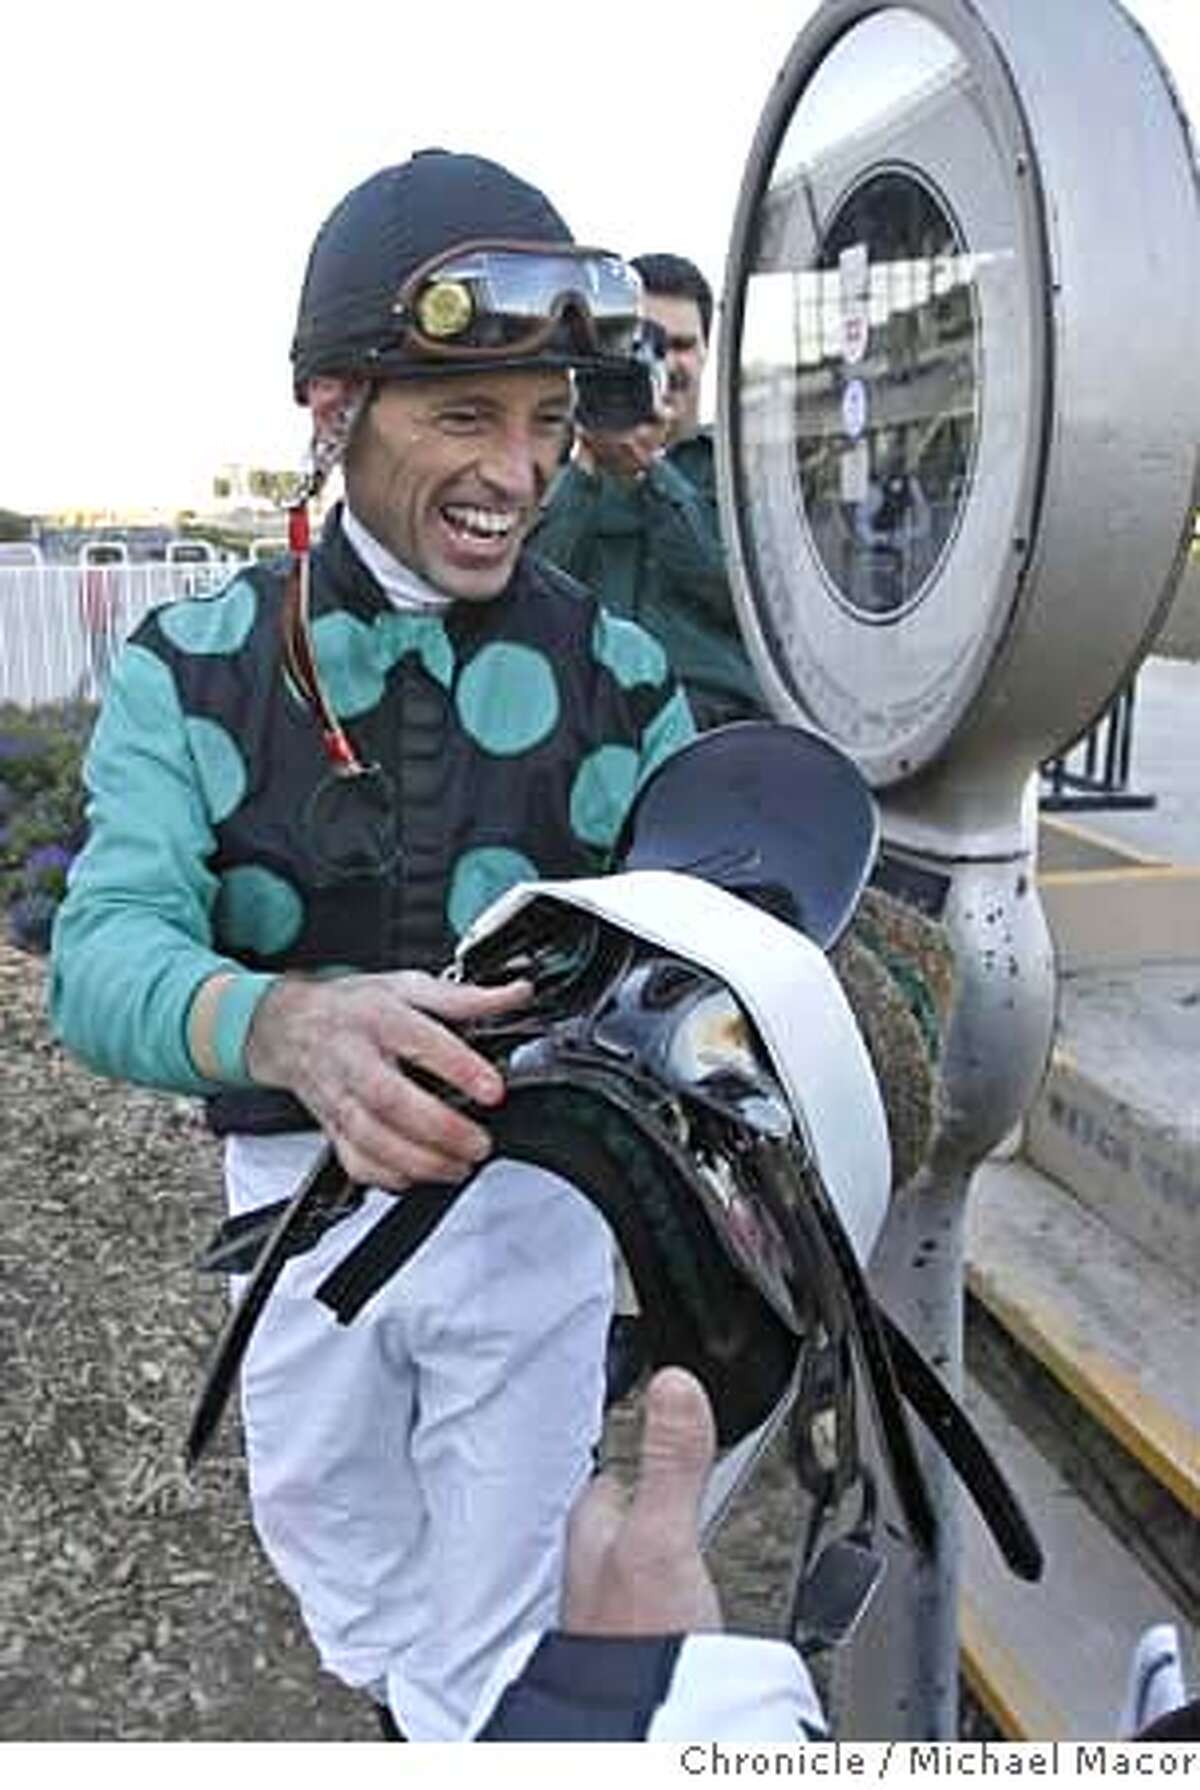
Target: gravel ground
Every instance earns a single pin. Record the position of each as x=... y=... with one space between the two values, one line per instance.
x=134 y=1605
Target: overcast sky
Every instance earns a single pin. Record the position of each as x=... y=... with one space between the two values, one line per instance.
x=164 y=180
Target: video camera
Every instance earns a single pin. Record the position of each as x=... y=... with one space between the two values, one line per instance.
x=633 y=393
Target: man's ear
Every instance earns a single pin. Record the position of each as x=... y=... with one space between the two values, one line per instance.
x=330 y=399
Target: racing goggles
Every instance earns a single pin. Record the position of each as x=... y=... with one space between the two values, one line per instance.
x=502 y=300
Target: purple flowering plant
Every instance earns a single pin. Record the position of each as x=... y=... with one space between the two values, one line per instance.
x=41 y=814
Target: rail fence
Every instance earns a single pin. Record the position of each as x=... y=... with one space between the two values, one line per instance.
x=1096 y=772
x=61 y=627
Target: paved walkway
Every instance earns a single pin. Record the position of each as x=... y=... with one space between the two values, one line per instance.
x=1165 y=764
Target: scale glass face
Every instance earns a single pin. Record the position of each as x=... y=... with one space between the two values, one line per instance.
x=881 y=423
x=886 y=351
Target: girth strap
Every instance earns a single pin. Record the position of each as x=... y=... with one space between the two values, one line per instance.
x=325 y=1194
x=967 y=1452
x=384 y=1250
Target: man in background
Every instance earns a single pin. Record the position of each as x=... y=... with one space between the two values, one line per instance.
x=680 y=300
x=633 y=515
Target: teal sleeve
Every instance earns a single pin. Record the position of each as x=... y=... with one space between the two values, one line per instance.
x=132 y=940
x=684 y=538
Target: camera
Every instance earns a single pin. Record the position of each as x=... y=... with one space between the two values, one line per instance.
x=623 y=396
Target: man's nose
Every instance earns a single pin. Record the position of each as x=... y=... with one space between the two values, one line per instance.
x=510 y=463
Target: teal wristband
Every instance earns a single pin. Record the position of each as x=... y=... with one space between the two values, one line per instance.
x=235 y=1009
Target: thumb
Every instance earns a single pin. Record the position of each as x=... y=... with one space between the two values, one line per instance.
x=592 y=1529
x=679 y=1441
x=648 y=1577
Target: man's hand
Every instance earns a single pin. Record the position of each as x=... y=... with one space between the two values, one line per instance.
x=625 y=453
x=342 y=1047
x=636 y=1569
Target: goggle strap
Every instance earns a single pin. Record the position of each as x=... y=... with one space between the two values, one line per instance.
x=299 y=658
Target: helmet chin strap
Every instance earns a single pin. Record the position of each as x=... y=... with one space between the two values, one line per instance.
x=326 y=450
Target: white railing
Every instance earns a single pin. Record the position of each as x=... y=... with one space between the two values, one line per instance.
x=60 y=626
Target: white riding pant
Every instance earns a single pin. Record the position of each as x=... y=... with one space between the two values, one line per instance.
x=411 y=1472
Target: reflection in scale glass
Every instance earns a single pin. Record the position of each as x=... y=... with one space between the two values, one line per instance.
x=884 y=478
x=873 y=329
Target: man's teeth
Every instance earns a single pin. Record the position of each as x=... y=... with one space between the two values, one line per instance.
x=490 y=524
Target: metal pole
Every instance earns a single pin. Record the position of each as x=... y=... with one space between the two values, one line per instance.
x=901 y=1678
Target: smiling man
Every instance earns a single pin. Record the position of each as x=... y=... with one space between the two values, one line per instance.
x=302 y=791
x=448 y=474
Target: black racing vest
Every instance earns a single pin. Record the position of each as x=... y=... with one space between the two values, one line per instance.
x=371 y=865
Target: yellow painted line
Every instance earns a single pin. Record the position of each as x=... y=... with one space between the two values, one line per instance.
x=1166 y=1446
x=1146 y=873
x=997 y=1676
x=1097 y=841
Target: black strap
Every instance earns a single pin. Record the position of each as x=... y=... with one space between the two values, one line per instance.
x=844 y=1277
x=384 y=1250
x=237 y=1244
x=327 y=1189
x=967 y=1453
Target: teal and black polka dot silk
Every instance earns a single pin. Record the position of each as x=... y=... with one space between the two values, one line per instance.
x=508 y=739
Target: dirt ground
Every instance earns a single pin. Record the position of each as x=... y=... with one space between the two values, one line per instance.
x=134 y=1605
